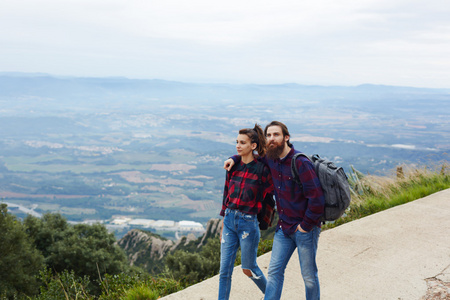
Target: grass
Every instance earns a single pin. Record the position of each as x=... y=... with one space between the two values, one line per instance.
x=372 y=194
x=141 y=292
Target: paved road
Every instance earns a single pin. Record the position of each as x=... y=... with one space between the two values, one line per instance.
x=23 y=209
x=388 y=255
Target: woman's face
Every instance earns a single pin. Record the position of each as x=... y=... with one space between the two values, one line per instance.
x=244 y=146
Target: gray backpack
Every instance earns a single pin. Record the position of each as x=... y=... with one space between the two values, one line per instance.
x=334 y=183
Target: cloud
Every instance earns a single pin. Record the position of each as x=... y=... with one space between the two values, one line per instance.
x=316 y=42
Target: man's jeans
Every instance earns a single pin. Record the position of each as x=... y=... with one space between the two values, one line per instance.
x=283 y=247
x=239 y=229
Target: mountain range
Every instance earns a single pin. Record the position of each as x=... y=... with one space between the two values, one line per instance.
x=95 y=149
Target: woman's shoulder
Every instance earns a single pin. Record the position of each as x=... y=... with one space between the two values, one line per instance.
x=262 y=166
x=259 y=162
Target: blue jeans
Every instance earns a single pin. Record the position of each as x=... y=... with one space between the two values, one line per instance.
x=239 y=229
x=283 y=247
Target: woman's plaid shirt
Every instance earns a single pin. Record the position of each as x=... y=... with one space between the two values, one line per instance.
x=242 y=185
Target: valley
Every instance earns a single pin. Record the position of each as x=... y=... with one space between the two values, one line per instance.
x=102 y=149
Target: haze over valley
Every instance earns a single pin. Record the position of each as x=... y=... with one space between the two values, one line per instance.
x=106 y=148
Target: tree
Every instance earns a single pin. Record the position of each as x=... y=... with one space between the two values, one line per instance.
x=86 y=249
x=191 y=268
x=20 y=261
x=45 y=232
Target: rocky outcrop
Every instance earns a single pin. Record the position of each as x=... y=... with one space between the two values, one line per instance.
x=213 y=228
x=143 y=244
x=147 y=250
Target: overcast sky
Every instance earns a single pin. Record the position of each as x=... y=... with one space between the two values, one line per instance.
x=324 y=42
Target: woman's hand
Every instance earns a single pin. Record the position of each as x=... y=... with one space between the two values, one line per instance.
x=228 y=164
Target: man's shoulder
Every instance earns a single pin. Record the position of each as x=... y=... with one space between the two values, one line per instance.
x=298 y=154
x=287 y=158
x=301 y=158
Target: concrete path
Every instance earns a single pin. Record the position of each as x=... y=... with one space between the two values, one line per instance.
x=388 y=255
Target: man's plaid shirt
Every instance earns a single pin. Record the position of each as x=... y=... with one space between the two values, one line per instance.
x=307 y=205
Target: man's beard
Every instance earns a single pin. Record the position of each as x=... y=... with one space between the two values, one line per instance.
x=275 y=152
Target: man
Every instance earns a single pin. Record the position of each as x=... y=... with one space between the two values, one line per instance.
x=299 y=212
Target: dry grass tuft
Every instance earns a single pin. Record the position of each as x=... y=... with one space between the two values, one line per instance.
x=363 y=185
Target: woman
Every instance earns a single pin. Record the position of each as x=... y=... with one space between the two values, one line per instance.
x=240 y=208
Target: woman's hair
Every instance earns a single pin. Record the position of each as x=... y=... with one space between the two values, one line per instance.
x=257 y=136
x=283 y=127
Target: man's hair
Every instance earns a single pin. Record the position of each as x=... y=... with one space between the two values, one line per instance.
x=283 y=127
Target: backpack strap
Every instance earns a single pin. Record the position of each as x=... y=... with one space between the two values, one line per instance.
x=259 y=171
x=294 y=172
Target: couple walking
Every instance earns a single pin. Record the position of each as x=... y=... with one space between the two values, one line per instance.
x=299 y=211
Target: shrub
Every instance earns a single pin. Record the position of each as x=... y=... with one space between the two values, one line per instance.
x=141 y=292
x=191 y=268
x=65 y=285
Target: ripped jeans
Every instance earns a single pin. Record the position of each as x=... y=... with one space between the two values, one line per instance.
x=239 y=229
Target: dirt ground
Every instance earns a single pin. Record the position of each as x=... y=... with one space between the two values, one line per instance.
x=437 y=290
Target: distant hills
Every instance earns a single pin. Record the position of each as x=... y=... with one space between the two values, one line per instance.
x=98 y=148
x=115 y=88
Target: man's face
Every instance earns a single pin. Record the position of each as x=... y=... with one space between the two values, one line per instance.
x=276 y=142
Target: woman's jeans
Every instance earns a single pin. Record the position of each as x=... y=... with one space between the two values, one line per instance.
x=283 y=247
x=239 y=229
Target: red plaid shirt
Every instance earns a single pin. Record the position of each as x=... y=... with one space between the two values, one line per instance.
x=241 y=188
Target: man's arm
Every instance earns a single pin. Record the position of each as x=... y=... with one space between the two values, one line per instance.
x=229 y=163
x=313 y=193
